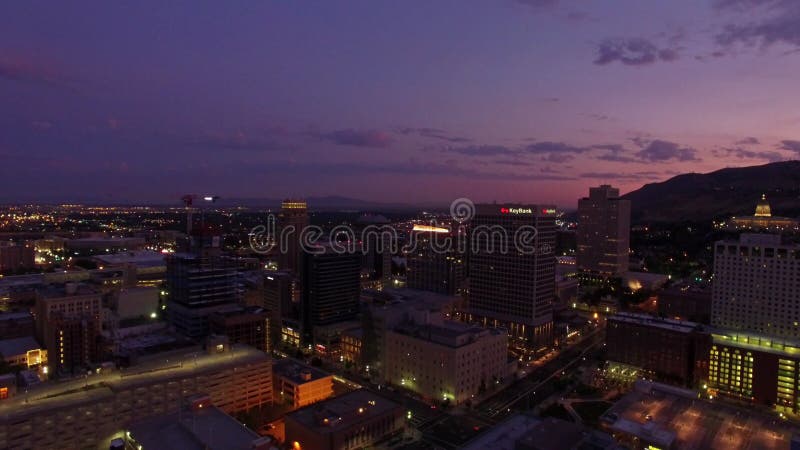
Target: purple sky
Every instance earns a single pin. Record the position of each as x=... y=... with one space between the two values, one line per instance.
x=402 y=101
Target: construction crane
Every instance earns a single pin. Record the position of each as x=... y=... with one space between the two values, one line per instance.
x=188 y=202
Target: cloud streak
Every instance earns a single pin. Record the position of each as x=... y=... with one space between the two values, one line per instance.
x=632 y=52
x=356 y=138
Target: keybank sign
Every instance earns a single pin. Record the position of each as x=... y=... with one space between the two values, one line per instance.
x=516 y=210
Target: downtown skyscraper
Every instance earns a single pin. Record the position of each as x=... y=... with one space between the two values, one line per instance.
x=603 y=235
x=512 y=285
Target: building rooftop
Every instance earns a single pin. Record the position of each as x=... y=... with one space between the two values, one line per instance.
x=679 y=417
x=681 y=326
x=18 y=346
x=21 y=315
x=504 y=436
x=343 y=412
x=295 y=371
x=194 y=429
x=66 y=290
x=140 y=258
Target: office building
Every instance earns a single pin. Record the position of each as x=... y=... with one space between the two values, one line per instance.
x=603 y=234
x=331 y=286
x=68 y=323
x=351 y=421
x=198 y=285
x=292 y=221
x=668 y=350
x=687 y=302
x=387 y=309
x=432 y=266
x=376 y=236
x=299 y=385
x=16 y=256
x=283 y=299
x=512 y=282
x=757 y=286
x=445 y=360
x=243 y=325
x=92 y=410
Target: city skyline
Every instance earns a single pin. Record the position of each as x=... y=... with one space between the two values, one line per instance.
x=517 y=100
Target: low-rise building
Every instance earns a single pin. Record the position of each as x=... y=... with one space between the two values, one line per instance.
x=354 y=420
x=686 y=302
x=16 y=324
x=299 y=385
x=91 y=410
x=669 y=350
x=242 y=325
x=198 y=426
x=445 y=360
x=24 y=352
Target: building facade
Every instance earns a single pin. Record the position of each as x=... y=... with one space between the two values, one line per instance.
x=198 y=285
x=299 y=385
x=292 y=221
x=351 y=421
x=283 y=299
x=68 y=323
x=757 y=286
x=757 y=369
x=16 y=256
x=603 y=234
x=331 y=287
x=432 y=267
x=446 y=361
x=511 y=285
x=669 y=350
x=249 y=326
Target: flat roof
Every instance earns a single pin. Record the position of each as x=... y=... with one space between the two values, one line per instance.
x=695 y=423
x=504 y=436
x=200 y=429
x=144 y=258
x=681 y=326
x=291 y=369
x=75 y=391
x=18 y=346
x=343 y=412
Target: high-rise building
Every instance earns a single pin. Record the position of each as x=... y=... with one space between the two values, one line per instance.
x=283 y=299
x=375 y=235
x=331 y=287
x=757 y=286
x=292 y=220
x=603 y=235
x=198 y=286
x=512 y=272
x=434 y=269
